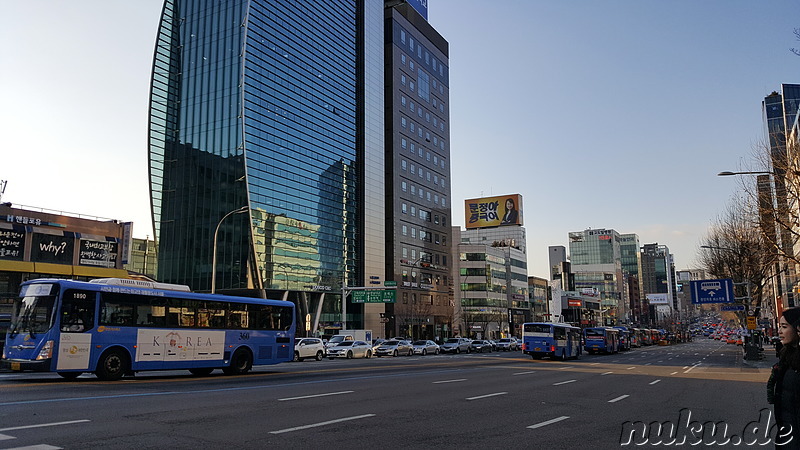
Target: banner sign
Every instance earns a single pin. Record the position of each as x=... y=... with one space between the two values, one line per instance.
x=12 y=244
x=493 y=211
x=98 y=253
x=50 y=248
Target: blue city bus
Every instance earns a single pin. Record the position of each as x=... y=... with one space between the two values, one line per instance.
x=114 y=327
x=556 y=340
x=601 y=339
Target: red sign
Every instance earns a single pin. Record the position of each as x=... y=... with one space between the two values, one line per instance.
x=574 y=302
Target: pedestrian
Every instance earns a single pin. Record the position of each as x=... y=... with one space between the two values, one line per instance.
x=786 y=381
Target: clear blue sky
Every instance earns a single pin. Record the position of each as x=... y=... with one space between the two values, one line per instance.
x=614 y=114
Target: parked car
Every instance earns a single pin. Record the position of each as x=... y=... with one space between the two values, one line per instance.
x=456 y=345
x=336 y=339
x=507 y=344
x=395 y=348
x=481 y=346
x=377 y=343
x=309 y=348
x=350 y=350
x=425 y=347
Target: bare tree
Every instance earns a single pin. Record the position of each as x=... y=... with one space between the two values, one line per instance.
x=797 y=37
x=736 y=248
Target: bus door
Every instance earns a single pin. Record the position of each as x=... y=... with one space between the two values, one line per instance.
x=76 y=321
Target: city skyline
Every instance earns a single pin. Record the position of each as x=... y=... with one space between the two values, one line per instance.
x=76 y=110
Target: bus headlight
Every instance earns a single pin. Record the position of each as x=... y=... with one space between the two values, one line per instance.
x=47 y=351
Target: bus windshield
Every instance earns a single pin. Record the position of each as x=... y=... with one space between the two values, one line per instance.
x=32 y=314
x=593 y=333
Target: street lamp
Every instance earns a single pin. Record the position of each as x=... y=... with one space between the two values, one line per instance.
x=243 y=209
x=729 y=173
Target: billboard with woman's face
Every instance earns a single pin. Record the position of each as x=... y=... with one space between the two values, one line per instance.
x=493 y=211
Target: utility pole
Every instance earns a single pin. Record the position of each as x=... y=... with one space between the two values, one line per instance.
x=3 y=184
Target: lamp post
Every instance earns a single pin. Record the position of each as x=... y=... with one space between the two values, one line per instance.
x=243 y=209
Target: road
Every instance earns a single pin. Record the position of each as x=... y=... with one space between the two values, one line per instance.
x=490 y=400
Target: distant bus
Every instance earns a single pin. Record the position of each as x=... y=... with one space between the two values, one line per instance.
x=114 y=327
x=556 y=340
x=601 y=339
x=636 y=337
x=626 y=337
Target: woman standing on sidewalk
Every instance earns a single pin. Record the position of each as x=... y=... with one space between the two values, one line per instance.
x=786 y=376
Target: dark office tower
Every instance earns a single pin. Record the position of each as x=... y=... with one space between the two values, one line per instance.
x=779 y=111
x=256 y=131
x=418 y=198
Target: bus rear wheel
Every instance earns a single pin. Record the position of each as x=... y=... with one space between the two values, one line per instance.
x=201 y=371
x=112 y=365
x=241 y=363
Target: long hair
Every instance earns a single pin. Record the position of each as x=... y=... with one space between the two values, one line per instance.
x=790 y=353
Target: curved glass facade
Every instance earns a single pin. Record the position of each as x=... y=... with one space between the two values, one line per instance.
x=253 y=104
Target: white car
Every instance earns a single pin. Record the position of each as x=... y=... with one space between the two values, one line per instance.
x=309 y=348
x=350 y=350
x=425 y=348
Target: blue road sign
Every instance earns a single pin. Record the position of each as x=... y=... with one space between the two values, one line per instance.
x=712 y=291
x=732 y=308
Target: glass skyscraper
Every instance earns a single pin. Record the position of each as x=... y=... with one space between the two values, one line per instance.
x=274 y=136
x=254 y=107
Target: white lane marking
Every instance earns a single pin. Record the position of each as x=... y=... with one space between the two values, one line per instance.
x=5 y=437
x=690 y=369
x=321 y=424
x=487 y=395
x=450 y=381
x=25 y=427
x=654 y=382
x=564 y=382
x=548 y=422
x=568 y=367
x=685 y=367
x=647 y=364
x=614 y=400
x=629 y=368
x=593 y=364
x=524 y=373
x=606 y=373
x=314 y=396
x=673 y=373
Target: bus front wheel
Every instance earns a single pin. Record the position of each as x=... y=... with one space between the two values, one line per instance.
x=241 y=363
x=112 y=365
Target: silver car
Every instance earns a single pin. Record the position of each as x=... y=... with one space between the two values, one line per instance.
x=350 y=350
x=456 y=345
x=425 y=347
x=395 y=348
x=507 y=344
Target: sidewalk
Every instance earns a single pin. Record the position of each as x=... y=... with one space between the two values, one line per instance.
x=764 y=364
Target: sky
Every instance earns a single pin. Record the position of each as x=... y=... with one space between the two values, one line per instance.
x=614 y=114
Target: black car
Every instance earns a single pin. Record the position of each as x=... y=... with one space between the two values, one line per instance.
x=481 y=345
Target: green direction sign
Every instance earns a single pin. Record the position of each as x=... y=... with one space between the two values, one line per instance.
x=375 y=296
x=390 y=283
